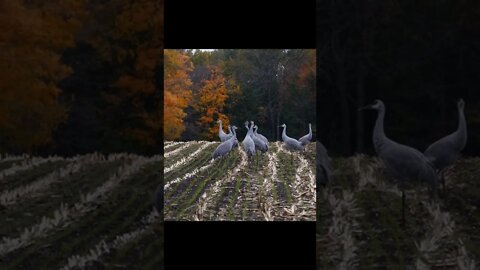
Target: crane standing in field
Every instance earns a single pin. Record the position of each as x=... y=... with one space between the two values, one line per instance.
x=307 y=138
x=402 y=162
x=445 y=151
x=230 y=133
x=290 y=143
x=263 y=138
x=324 y=169
x=248 y=143
x=260 y=144
x=224 y=148
x=223 y=136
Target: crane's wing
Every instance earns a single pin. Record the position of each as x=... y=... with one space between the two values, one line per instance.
x=443 y=152
x=406 y=163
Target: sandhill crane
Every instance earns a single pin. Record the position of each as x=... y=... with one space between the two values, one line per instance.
x=402 y=162
x=324 y=170
x=230 y=133
x=223 y=136
x=260 y=145
x=224 y=148
x=159 y=198
x=307 y=138
x=263 y=138
x=248 y=143
x=235 y=143
x=290 y=143
x=445 y=151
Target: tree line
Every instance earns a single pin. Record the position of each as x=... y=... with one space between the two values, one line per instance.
x=270 y=87
x=418 y=57
x=80 y=75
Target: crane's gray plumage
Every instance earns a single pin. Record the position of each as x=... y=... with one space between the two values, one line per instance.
x=248 y=143
x=224 y=148
x=230 y=133
x=159 y=198
x=445 y=151
x=291 y=143
x=402 y=162
x=260 y=145
x=324 y=169
x=307 y=138
x=222 y=135
x=263 y=138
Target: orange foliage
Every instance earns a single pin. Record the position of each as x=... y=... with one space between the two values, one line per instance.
x=132 y=40
x=307 y=69
x=33 y=36
x=211 y=103
x=177 y=93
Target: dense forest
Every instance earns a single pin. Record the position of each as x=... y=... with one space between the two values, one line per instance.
x=270 y=87
x=419 y=57
x=78 y=76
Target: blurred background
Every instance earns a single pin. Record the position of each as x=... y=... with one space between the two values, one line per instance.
x=270 y=87
x=419 y=57
x=78 y=76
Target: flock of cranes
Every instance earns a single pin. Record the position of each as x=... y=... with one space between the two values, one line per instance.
x=255 y=142
x=252 y=143
x=403 y=163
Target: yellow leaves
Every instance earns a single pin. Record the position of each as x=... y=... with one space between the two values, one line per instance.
x=211 y=102
x=127 y=36
x=32 y=37
x=177 y=93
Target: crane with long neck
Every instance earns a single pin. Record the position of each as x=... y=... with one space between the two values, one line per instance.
x=221 y=134
x=403 y=163
x=307 y=138
x=446 y=150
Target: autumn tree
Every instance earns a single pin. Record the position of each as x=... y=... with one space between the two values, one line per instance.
x=177 y=92
x=211 y=103
x=127 y=37
x=32 y=38
x=297 y=87
x=268 y=86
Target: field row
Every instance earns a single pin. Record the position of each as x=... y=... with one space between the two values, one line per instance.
x=359 y=220
x=85 y=211
x=278 y=185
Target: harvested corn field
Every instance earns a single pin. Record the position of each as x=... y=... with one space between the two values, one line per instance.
x=90 y=211
x=359 y=220
x=278 y=185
